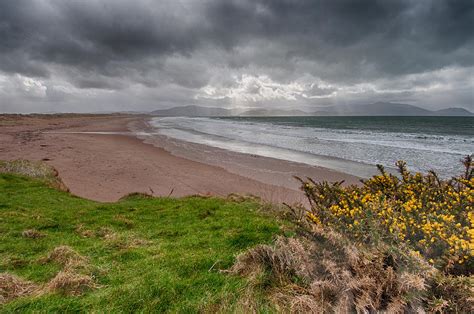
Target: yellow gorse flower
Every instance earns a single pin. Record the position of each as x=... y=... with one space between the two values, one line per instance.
x=436 y=217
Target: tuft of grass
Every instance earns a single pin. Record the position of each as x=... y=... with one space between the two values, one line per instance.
x=32 y=234
x=139 y=254
x=12 y=287
x=66 y=257
x=73 y=279
x=71 y=283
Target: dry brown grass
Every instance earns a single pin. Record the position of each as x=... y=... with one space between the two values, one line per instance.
x=32 y=234
x=124 y=221
x=239 y=198
x=452 y=294
x=106 y=233
x=66 y=282
x=111 y=238
x=323 y=272
x=67 y=257
x=34 y=169
x=71 y=283
x=83 y=232
x=75 y=277
x=125 y=241
x=136 y=194
x=12 y=287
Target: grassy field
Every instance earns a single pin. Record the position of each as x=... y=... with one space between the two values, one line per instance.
x=139 y=254
x=395 y=245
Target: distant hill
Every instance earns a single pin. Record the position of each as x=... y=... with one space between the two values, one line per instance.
x=198 y=111
x=389 y=109
x=453 y=112
x=275 y=112
x=192 y=111
x=375 y=109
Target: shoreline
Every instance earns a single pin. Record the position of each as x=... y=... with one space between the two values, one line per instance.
x=105 y=167
x=244 y=148
x=269 y=170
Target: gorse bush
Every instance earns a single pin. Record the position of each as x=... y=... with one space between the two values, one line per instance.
x=395 y=244
x=434 y=217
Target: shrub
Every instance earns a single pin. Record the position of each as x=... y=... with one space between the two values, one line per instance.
x=434 y=217
x=324 y=272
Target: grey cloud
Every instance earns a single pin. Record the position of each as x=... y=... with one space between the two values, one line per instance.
x=317 y=90
x=91 y=35
x=394 y=37
x=98 y=84
x=114 y=45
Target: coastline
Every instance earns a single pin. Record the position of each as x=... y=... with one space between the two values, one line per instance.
x=269 y=170
x=106 y=166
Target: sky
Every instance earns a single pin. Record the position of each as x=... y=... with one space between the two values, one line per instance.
x=141 y=55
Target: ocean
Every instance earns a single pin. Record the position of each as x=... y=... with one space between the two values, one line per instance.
x=349 y=144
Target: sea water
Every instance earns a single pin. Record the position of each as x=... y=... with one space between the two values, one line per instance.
x=340 y=143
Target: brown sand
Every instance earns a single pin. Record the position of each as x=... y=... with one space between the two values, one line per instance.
x=105 y=167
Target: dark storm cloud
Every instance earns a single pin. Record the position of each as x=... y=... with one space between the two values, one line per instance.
x=394 y=37
x=91 y=34
x=114 y=44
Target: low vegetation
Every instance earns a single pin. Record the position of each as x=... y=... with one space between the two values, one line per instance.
x=62 y=253
x=434 y=217
x=393 y=244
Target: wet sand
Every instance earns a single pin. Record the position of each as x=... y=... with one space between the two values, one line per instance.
x=99 y=157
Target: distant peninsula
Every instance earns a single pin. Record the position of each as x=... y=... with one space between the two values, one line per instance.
x=374 y=109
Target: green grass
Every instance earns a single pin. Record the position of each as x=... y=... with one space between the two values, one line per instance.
x=165 y=254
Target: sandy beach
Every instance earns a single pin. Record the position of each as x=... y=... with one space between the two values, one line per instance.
x=99 y=157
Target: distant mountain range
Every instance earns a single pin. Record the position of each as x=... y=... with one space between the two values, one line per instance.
x=389 y=109
x=375 y=109
x=274 y=112
x=198 y=111
x=192 y=111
